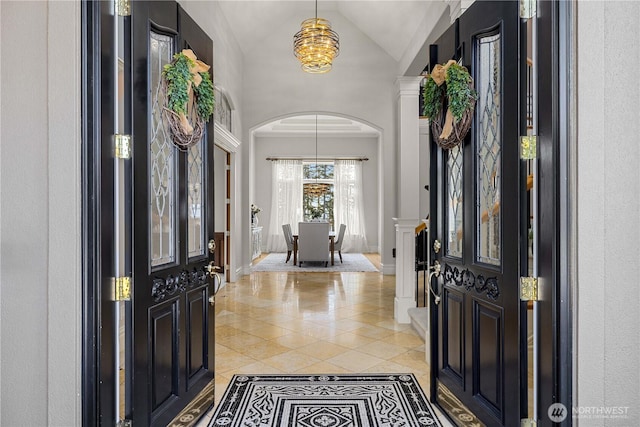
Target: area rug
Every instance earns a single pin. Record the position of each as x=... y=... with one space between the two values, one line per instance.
x=351 y=263
x=354 y=400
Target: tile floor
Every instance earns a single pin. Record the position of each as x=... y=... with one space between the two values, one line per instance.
x=312 y=323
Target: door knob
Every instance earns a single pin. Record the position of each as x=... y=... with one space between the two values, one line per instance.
x=212 y=246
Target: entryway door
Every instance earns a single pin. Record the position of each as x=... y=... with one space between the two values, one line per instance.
x=172 y=221
x=476 y=215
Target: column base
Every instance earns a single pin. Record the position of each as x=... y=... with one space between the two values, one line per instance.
x=401 y=308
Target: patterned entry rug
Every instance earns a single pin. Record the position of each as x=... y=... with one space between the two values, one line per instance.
x=352 y=400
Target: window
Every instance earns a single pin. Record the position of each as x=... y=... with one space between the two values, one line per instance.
x=318 y=187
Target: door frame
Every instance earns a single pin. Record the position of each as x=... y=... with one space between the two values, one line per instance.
x=557 y=148
x=98 y=316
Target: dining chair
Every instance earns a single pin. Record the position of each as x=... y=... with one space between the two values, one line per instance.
x=313 y=242
x=337 y=246
x=288 y=237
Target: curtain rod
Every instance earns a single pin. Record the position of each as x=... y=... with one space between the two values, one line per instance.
x=320 y=158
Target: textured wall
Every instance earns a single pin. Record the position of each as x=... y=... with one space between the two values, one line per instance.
x=608 y=208
x=40 y=214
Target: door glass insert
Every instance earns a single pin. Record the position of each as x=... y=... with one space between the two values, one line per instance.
x=195 y=199
x=162 y=161
x=454 y=202
x=488 y=146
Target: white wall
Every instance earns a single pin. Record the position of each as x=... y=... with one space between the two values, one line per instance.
x=327 y=146
x=361 y=85
x=228 y=69
x=608 y=208
x=40 y=271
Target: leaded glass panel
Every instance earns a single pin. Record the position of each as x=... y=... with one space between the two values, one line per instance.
x=196 y=219
x=488 y=148
x=162 y=162
x=454 y=202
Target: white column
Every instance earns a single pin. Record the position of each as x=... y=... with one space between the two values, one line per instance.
x=409 y=187
x=408 y=147
x=405 y=268
x=425 y=156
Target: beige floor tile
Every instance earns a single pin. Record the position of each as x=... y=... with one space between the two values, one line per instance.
x=382 y=350
x=323 y=367
x=290 y=361
x=408 y=339
x=322 y=350
x=263 y=350
x=295 y=340
x=351 y=340
x=354 y=361
x=232 y=361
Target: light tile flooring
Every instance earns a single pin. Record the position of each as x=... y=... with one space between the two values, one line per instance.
x=312 y=323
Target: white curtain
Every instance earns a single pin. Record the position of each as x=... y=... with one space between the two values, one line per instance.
x=286 y=201
x=349 y=204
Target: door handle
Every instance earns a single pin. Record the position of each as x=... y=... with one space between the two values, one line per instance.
x=212 y=268
x=212 y=246
x=435 y=270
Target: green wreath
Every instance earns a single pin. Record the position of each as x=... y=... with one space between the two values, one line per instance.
x=189 y=98
x=450 y=85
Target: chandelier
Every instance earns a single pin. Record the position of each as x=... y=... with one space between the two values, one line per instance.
x=316 y=44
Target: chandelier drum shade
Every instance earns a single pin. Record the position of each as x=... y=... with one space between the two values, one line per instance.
x=316 y=44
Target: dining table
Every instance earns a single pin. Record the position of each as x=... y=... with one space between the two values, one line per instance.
x=332 y=243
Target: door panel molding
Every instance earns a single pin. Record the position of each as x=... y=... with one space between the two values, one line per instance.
x=488 y=368
x=453 y=349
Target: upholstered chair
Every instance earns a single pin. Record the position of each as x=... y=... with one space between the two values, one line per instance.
x=337 y=246
x=313 y=242
x=288 y=237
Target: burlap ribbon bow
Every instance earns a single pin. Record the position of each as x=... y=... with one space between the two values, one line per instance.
x=438 y=75
x=195 y=68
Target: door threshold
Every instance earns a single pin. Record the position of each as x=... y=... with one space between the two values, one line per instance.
x=197 y=408
x=454 y=409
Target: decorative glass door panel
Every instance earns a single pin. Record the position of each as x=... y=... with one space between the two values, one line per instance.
x=454 y=230
x=488 y=143
x=195 y=196
x=162 y=160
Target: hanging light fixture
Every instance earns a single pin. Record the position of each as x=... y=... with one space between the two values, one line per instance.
x=317 y=188
x=316 y=44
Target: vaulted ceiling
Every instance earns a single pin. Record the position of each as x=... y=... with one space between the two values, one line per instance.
x=398 y=27
x=391 y=24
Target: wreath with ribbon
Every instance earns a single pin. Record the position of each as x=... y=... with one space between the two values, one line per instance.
x=451 y=86
x=188 y=100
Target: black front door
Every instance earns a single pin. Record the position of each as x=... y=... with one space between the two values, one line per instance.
x=172 y=219
x=475 y=214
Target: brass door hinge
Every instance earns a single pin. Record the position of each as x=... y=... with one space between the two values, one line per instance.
x=529 y=289
x=528 y=147
x=124 y=423
x=123 y=7
x=122 y=146
x=122 y=288
x=528 y=422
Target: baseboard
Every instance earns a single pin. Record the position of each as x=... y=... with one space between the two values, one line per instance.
x=388 y=269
